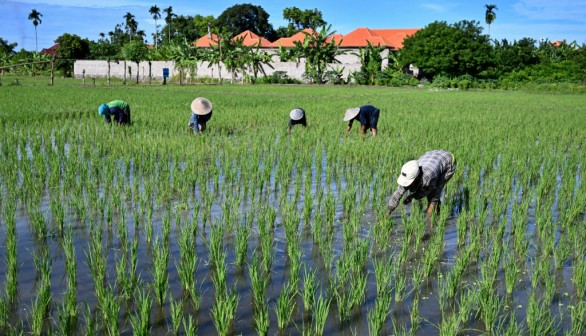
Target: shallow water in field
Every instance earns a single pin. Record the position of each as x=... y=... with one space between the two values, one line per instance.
x=238 y=278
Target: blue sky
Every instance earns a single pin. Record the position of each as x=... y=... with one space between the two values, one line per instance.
x=537 y=19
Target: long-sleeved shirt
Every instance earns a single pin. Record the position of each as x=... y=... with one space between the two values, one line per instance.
x=367 y=116
x=119 y=111
x=437 y=167
x=197 y=121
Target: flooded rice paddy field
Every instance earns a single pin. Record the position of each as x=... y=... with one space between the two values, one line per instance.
x=247 y=229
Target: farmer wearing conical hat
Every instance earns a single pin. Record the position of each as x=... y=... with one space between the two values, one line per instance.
x=367 y=115
x=297 y=117
x=201 y=113
x=117 y=110
x=424 y=177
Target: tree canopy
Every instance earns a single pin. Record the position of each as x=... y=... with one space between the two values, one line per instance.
x=301 y=19
x=71 y=47
x=450 y=50
x=239 y=18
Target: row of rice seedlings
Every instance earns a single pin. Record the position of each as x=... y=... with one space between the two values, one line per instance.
x=140 y=319
x=187 y=263
x=40 y=307
x=159 y=272
x=11 y=286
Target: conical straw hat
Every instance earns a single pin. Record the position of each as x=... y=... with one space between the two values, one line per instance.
x=201 y=106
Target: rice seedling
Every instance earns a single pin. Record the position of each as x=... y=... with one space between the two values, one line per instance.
x=377 y=316
x=224 y=312
x=321 y=311
x=176 y=315
x=140 y=320
x=241 y=247
x=309 y=290
x=261 y=320
x=286 y=305
x=189 y=326
x=577 y=314
x=539 y=319
x=160 y=275
x=579 y=277
x=110 y=310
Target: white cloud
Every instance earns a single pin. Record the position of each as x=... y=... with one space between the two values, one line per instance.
x=574 y=10
x=85 y=3
x=434 y=7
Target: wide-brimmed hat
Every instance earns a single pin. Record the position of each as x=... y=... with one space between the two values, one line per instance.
x=409 y=173
x=201 y=106
x=102 y=109
x=351 y=113
x=296 y=113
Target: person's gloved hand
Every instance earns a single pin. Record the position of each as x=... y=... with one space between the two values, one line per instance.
x=408 y=199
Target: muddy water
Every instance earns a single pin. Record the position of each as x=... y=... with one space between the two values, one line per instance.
x=238 y=278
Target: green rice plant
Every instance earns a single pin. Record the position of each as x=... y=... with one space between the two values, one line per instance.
x=400 y=280
x=414 y=316
x=577 y=314
x=579 y=277
x=383 y=275
x=309 y=290
x=377 y=316
x=189 y=326
x=140 y=320
x=187 y=263
x=3 y=314
x=321 y=311
x=512 y=270
x=58 y=213
x=539 y=318
x=241 y=247
x=398 y=329
x=262 y=321
x=90 y=323
x=11 y=258
x=489 y=303
x=39 y=225
x=224 y=312
x=160 y=275
x=450 y=324
x=110 y=310
x=38 y=313
x=357 y=288
x=562 y=252
x=258 y=281
x=122 y=277
x=286 y=305
x=176 y=314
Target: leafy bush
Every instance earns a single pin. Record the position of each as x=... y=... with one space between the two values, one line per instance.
x=277 y=77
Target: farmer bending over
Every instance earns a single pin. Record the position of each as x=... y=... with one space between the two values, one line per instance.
x=367 y=115
x=426 y=176
x=117 y=110
x=297 y=117
x=201 y=113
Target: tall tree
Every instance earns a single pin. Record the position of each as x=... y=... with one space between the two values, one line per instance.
x=130 y=24
x=71 y=47
x=135 y=52
x=239 y=18
x=319 y=50
x=35 y=17
x=302 y=19
x=156 y=13
x=169 y=19
x=490 y=15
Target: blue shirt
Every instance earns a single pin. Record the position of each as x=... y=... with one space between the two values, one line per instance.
x=368 y=116
x=196 y=121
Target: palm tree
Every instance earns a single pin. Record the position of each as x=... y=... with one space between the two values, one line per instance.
x=35 y=17
x=490 y=15
x=168 y=19
x=156 y=13
x=130 y=24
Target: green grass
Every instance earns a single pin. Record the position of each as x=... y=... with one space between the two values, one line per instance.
x=118 y=203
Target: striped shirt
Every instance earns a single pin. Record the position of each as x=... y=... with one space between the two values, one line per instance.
x=438 y=167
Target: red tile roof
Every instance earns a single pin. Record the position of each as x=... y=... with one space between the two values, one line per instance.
x=50 y=51
x=392 y=38
x=288 y=42
x=206 y=42
x=250 y=39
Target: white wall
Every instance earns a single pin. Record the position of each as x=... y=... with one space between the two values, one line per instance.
x=349 y=62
